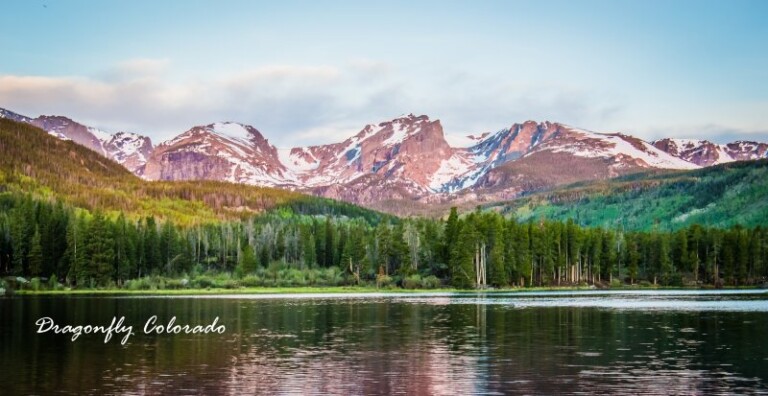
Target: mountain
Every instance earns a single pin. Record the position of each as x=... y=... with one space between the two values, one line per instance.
x=706 y=153
x=408 y=158
x=128 y=149
x=404 y=165
x=35 y=163
x=534 y=156
x=222 y=151
x=719 y=196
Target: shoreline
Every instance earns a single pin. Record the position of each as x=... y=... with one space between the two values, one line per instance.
x=346 y=290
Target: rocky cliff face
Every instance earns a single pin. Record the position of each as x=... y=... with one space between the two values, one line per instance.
x=408 y=148
x=222 y=151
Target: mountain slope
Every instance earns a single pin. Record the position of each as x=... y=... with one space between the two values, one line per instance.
x=128 y=149
x=722 y=195
x=34 y=162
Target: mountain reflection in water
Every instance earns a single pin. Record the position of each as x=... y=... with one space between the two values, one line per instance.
x=543 y=343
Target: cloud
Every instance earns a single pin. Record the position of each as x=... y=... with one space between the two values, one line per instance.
x=135 y=70
x=314 y=104
x=286 y=74
x=368 y=68
x=134 y=95
x=143 y=66
x=713 y=132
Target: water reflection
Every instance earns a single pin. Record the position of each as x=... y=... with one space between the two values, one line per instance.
x=436 y=344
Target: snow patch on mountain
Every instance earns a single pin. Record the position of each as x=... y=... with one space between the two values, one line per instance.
x=449 y=170
x=101 y=135
x=58 y=135
x=231 y=129
x=589 y=144
x=399 y=133
x=465 y=141
x=293 y=161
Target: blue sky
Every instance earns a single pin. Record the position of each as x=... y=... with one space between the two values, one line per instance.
x=314 y=72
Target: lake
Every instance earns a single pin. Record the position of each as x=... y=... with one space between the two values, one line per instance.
x=635 y=342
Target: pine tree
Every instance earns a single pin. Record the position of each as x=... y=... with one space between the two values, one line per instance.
x=694 y=257
x=35 y=255
x=168 y=247
x=681 y=255
x=383 y=245
x=665 y=261
x=309 y=252
x=73 y=261
x=497 y=271
x=730 y=240
x=264 y=256
x=248 y=262
x=22 y=220
x=5 y=244
x=99 y=252
x=633 y=259
x=461 y=258
x=573 y=250
x=330 y=246
x=524 y=255
x=413 y=242
x=742 y=255
x=151 y=245
x=451 y=234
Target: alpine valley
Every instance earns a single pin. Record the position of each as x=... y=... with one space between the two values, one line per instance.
x=402 y=166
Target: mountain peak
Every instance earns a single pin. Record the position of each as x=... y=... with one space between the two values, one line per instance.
x=406 y=119
x=235 y=130
x=410 y=117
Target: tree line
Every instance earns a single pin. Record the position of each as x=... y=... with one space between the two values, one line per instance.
x=480 y=249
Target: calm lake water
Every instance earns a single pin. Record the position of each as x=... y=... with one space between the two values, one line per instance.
x=513 y=343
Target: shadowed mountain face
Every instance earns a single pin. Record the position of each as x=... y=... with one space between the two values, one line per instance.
x=403 y=159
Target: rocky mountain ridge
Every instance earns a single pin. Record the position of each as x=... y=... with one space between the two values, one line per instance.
x=403 y=159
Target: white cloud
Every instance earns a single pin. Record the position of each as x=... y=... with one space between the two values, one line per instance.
x=314 y=104
x=713 y=132
x=143 y=66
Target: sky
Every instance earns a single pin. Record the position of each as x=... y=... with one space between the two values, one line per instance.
x=313 y=72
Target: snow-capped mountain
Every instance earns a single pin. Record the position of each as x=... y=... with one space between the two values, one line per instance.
x=745 y=151
x=222 y=151
x=403 y=159
x=128 y=149
x=405 y=148
x=706 y=153
x=390 y=160
x=407 y=158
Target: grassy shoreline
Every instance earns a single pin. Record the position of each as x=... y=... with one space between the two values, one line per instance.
x=337 y=290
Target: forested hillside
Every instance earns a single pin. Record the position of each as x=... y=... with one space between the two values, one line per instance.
x=43 y=239
x=720 y=196
x=68 y=215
